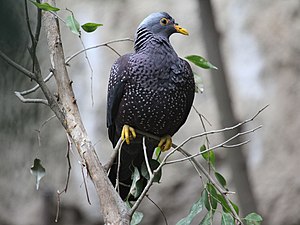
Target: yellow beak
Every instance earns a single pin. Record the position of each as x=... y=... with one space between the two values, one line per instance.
x=181 y=30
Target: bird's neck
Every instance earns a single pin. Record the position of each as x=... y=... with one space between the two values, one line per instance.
x=144 y=40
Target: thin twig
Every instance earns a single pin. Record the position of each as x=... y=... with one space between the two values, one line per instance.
x=50 y=75
x=161 y=211
x=17 y=66
x=177 y=148
x=212 y=181
x=97 y=46
x=40 y=128
x=27 y=21
x=201 y=116
x=116 y=149
x=29 y=91
x=67 y=180
x=158 y=139
x=91 y=70
x=216 y=131
x=114 y=50
x=38 y=24
x=214 y=147
x=236 y=145
x=31 y=100
x=146 y=157
x=84 y=182
x=69 y=162
x=118 y=170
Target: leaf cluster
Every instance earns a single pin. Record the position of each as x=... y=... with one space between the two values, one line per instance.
x=71 y=21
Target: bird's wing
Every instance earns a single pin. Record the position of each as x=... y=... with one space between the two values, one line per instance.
x=116 y=85
x=191 y=92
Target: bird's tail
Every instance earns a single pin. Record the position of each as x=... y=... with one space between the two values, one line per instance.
x=132 y=155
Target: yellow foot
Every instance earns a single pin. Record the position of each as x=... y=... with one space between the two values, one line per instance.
x=165 y=143
x=128 y=133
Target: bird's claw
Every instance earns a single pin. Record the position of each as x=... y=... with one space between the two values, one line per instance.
x=128 y=133
x=165 y=143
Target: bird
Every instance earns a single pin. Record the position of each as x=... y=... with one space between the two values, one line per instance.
x=150 y=90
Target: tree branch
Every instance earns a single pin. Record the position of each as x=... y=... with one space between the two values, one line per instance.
x=197 y=164
x=17 y=66
x=31 y=100
x=112 y=207
x=105 y=44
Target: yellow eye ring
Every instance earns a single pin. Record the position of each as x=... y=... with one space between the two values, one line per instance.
x=164 y=21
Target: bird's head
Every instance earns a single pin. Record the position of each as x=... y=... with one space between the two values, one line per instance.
x=161 y=23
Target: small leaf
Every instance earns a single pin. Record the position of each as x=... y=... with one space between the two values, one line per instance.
x=196 y=208
x=153 y=165
x=200 y=61
x=207 y=219
x=205 y=199
x=208 y=156
x=38 y=171
x=73 y=24
x=236 y=208
x=221 y=179
x=199 y=87
x=157 y=153
x=213 y=195
x=227 y=219
x=209 y=199
x=137 y=185
x=224 y=204
x=90 y=27
x=45 y=6
x=136 y=218
x=253 y=219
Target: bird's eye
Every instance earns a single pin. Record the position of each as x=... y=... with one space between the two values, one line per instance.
x=164 y=21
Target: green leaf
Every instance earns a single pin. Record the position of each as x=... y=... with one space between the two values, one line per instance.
x=73 y=24
x=236 y=208
x=137 y=184
x=224 y=204
x=205 y=199
x=227 y=219
x=253 y=219
x=38 y=171
x=221 y=179
x=196 y=208
x=45 y=6
x=208 y=156
x=91 y=27
x=153 y=165
x=136 y=218
x=157 y=153
x=199 y=87
x=210 y=197
x=200 y=61
x=207 y=219
x=213 y=195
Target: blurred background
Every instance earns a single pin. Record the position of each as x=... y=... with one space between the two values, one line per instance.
x=258 y=53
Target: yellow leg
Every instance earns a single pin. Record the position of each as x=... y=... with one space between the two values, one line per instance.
x=128 y=133
x=165 y=143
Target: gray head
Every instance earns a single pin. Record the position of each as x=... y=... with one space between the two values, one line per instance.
x=161 y=23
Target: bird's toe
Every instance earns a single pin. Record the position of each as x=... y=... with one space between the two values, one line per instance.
x=165 y=143
x=128 y=133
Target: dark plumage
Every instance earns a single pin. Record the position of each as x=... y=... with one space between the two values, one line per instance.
x=151 y=90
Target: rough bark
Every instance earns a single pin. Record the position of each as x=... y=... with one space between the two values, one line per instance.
x=113 y=209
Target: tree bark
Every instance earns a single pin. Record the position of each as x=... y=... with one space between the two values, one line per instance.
x=113 y=209
x=235 y=158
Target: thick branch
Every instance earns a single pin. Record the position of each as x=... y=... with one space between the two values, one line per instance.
x=112 y=207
